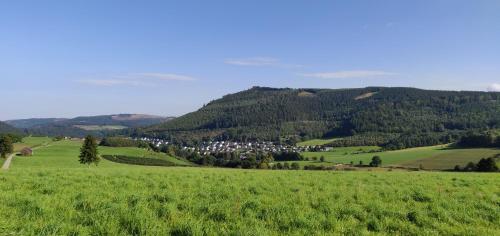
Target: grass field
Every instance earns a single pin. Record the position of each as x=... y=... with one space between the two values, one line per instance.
x=196 y=201
x=435 y=157
x=52 y=194
x=32 y=142
x=100 y=127
x=316 y=142
x=65 y=154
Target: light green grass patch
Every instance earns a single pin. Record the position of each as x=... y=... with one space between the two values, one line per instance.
x=434 y=157
x=65 y=154
x=100 y=127
x=316 y=142
x=199 y=201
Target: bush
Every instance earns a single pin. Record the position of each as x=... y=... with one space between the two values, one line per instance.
x=376 y=161
x=470 y=167
x=487 y=165
x=295 y=166
x=287 y=156
x=144 y=161
x=122 y=142
x=286 y=166
x=279 y=166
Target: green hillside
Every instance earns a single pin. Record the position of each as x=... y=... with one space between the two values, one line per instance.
x=440 y=157
x=395 y=117
x=65 y=154
x=6 y=128
x=81 y=126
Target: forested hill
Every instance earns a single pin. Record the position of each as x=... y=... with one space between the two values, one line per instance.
x=7 y=129
x=376 y=115
x=80 y=126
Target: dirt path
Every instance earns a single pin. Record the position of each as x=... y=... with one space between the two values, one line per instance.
x=6 y=164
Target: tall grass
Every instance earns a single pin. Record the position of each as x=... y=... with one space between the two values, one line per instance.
x=196 y=201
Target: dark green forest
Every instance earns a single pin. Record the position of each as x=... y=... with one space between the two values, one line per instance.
x=391 y=117
x=8 y=129
x=68 y=127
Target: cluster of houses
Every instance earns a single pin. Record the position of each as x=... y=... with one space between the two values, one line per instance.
x=155 y=141
x=212 y=147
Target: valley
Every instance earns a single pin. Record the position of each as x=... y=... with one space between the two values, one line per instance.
x=278 y=176
x=50 y=193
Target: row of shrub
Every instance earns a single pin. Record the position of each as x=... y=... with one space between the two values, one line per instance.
x=144 y=161
x=123 y=142
x=484 y=165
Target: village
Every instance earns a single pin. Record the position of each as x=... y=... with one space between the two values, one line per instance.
x=212 y=147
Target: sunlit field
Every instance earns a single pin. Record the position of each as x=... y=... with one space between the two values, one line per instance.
x=439 y=157
x=52 y=194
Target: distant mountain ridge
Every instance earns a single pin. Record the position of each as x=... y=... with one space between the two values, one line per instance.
x=8 y=129
x=80 y=126
x=377 y=115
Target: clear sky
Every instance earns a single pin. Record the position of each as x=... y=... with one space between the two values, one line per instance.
x=71 y=58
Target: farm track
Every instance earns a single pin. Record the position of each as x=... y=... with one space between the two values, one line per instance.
x=7 y=162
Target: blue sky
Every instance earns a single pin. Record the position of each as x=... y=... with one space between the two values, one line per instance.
x=71 y=58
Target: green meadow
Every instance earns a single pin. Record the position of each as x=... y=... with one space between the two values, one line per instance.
x=316 y=142
x=50 y=193
x=434 y=158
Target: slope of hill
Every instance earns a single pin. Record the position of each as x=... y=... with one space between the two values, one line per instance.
x=6 y=128
x=28 y=123
x=367 y=116
x=80 y=126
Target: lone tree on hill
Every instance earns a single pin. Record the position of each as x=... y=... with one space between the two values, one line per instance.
x=376 y=161
x=88 y=152
x=6 y=146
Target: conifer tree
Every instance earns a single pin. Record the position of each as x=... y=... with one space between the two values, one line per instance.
x=88 y=152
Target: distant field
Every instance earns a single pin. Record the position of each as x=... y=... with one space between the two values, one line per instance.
x=32 y=142
x=316 y=142
x=100 y=127
x=65 y=154
x=435 y=157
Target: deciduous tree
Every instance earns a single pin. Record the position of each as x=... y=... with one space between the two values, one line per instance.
x=6 y=146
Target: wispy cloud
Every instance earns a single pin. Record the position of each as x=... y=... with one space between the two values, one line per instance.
x=253 y=61
x=135 y=79
x=162 y=76
x=494 y=88
x=390 y=24
x=112 y=82
x=349 y=74
x=259 y=61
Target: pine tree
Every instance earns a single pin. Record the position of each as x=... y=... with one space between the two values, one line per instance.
x=6 y=146
x=88 y=152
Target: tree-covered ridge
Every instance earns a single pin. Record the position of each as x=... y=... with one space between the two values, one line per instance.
x=76 y=127
x=8 y=129
x=274 y=114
